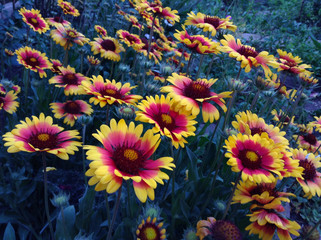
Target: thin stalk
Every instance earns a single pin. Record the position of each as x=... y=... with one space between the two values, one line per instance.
x=189 y=62
x=200 y=66
x=107 y=113
x=83 y=153
x=107 y=208
x=81 y=61
x=180 y=60
x=256 y=97
x=173 y=195
x=128 y=200
x=114 y=215
x=46 y=194
x=88 y=70
x=210 y=66
x=317 y=149
x=293 y=108
x=150 y=37
x=64 y=223
x=27 y=83
x=2 y=62
x=311 y=231
x=112 y=70
x=66 y=55
x=231 y=196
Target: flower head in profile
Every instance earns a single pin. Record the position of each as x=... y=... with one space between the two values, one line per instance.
x=170 y=121
x=254 y=156
x=130 y=39
x=71 y=110
x=209 y=23
x=55 y=21
x=34 y=19
x=196 y=94
x=109 y=92
x=311 y=178
x=56 y=64
x=281 y=117
x=134 y=21
x=33 y=60
x=107 y=47
x=266 y=222
x=68 y=8
x=8 y=96
x=93 y=61
x=40 y=135
x=66 y=36
x=157 y=75
x=153 y=52
x=247 y=55
x=69 y=80
x=150 y=229
x=8 y=52
x=125 y=155
x=316 y=124
x=218 y=229
x=289 y=63
x=101 y=30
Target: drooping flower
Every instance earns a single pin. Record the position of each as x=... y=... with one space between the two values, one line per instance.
x=125 y=155
x=34 y=19
x=247 y=55
x=133 y=20
x=8 y=96
x=311 y=178
x=8 y=52
x=40 y=135
x=93 y=61
x=71 y=110
x=109 y=92
x=69 y=80
x=55 y=21
x=254 y=156
x=33 y=60
x=108 y=48
x=101 y=30
x=306 y=79
x=196 y=94
x=218 y=229
x=68 y=8
x=291 y=64
x=66 y=36
x=266 y=222
x=130 y=39
x=149 y=229
x=175 y=123
x=210 y=23
x=281 y=117
x=56 y=64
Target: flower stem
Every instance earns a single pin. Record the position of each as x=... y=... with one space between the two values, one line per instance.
x=107 y=113
x=173 y=195
x=27 y=83
x=114 y=215
x=256 y=97
x=112 y=70
x=107 y=208
x=88 y=70
x=128 y=200
x=231 y=196
x=200 y=66
x=66 y=55
x=311 y=231
x=63 y=222
x=210 y=66
x=189 y=63
x=46 y=194
x=83 y=152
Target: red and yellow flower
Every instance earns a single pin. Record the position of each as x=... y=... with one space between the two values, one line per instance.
x=218 y=229
x=316 y=124
x=291 y=166
x=109 y=92
x=108 y=48
x=33 y=60
x=55 y=21
x=133 y=20
x=172 y=122
x=157 y=75
x=308 y=141
x=254 y=156
x=8 y=52
x=153 y=52
x=210 y=23
x=281 y=118
x=66 y=36
x=287 y=62
x=306 y=79
x=68 y=8
x=311 y=178
x=101 y=30
x=151 y=230
x=125 y=155
x=247 y=55
x=56 y=64
x=8 y=96
x=130 y=39
x=71 y=110
x=34 y=19
x=93 y=61
x=69 y=80
x=266 y=222
x=40 y=135
x=196 y=94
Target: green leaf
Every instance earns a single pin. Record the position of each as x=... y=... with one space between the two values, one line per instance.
x=192 y=164
x=65 y=228
x=9 y=233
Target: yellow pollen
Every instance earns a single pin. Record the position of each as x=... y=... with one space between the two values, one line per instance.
x=167 y=119
x=43 y=137
x=72 y=34
x=150 y=233
x=198 y=87
x=131 y=154
x=252 y=156
x=110 y=91
x=33 y=59
x=33 y=20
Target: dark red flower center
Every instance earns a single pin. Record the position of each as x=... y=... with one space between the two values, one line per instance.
x=1 y=101
x=111 y=92
x=58 y=19
x=197 y=89
x=214 y=21
x=247 y=52
x=70 y=79
x=71 y=34
x=108 y=45
x=128 y=160
x=32 y=61
x=309 y=171
x=149 y=231
x=224 y=230
x=131 y=39
x=264 y=187
x=257 y=130
x=72 y=107
x=165 y=120
x=310 y=138
x=43 y=141
x=33 y=21
x=145 y=41
x=250 y=159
